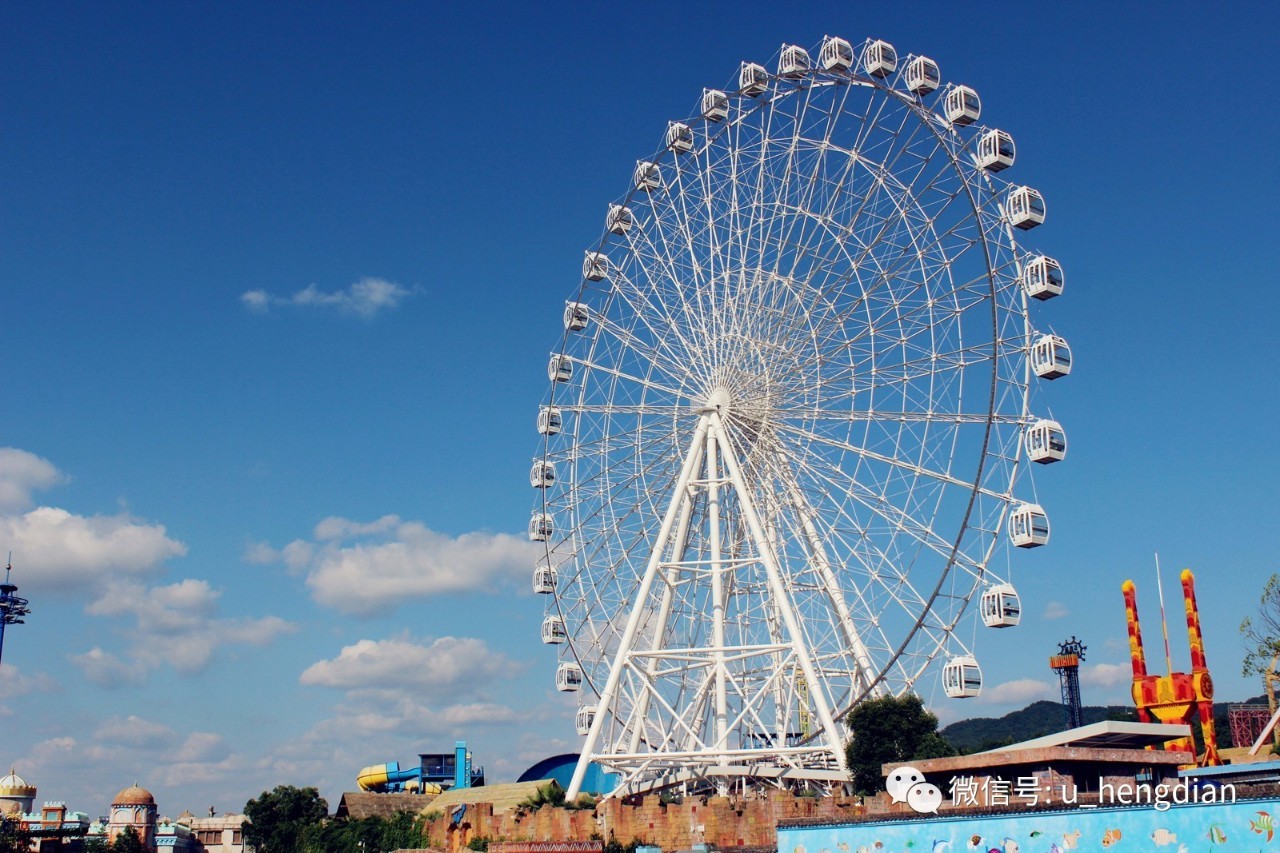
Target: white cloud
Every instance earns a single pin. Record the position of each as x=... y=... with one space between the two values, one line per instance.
x=55 y=549
x=447 y=668
x=176 y=624
x=22 y=473
x=133 y=731
x=1105 y=674
x=366 y=298
x=122 y=750
x=1017 y=692
x=256 y=300
x=400 y=693
x=335 y=527
x=101 y=556
x=14 y=683
x=260 y=553
x=202 y=746
x=1055 y=610
x=394 y=560
x=106 y=670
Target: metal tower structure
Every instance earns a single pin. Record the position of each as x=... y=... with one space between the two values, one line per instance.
x=1247 y=722
x=12 y=607
x=1067 y=664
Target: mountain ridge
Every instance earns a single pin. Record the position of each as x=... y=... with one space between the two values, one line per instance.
x=1045 y=717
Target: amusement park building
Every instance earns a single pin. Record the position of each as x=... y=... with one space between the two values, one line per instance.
x=135 y=807
x=55 y=827
x=52 y=827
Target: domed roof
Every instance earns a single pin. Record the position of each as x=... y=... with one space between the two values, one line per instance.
x=134 y=796
x=14 y=785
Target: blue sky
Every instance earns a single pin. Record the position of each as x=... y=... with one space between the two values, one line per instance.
x=275 y=538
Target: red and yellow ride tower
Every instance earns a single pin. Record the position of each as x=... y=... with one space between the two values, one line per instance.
x=1178 y=697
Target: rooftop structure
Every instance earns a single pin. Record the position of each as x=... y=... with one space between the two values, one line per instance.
x=1063 y=768
x=362 y=804
x=216 y=833
x=1108 y=734
x=503 y=797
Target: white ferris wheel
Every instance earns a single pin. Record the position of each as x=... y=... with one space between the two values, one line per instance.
x=787 y=418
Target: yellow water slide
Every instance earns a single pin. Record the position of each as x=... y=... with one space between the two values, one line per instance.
x=382 y=778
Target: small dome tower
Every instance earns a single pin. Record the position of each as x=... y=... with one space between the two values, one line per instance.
x=14 y=789
x=134 y=807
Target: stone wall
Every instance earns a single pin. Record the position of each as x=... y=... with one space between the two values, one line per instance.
x=716 y=821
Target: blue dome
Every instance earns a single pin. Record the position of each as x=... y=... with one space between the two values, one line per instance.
x=561 y=767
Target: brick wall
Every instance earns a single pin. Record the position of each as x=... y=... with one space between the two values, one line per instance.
x=717 y=821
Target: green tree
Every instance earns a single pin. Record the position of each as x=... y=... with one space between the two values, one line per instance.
x=1262 y=644
x=128 y=841
x=890 y=729
x=279 y=820
x=363 y=835
x=13 y=839
x=404 y=831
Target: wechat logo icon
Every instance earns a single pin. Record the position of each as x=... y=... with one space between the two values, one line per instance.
x=907 y=785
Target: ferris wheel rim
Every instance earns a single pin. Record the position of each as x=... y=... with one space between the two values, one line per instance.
x=677 y=400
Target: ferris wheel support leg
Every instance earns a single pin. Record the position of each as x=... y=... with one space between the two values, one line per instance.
x=782 y=596
x=679 y=496
x=717 y=597
x=670 y=576
x=819 y=556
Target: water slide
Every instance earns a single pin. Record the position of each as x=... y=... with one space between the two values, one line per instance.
x=389 y=778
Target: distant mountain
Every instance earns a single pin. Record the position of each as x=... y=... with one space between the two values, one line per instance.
x=1045 y=717
x=1036 y=720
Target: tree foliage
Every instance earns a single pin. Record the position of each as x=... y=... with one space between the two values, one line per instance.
x=890 y=729
x=613 y=845
x=363 y=835
x=1261 y=635
x=13 y=838
x=128 y=841
x=279 y=819
x=549 y=794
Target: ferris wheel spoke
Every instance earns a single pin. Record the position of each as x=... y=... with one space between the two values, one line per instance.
x=902 y=523
x=946 y=259
x=807 y=435
x=620 y=373
x=900 y=589
x=664 y=340
x=647 y=295
x=870 y=415
x=659 y=355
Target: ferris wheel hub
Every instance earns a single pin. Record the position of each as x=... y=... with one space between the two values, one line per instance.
x=716 y=400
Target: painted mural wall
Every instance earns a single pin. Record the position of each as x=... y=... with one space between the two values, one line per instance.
x=1219 y=828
